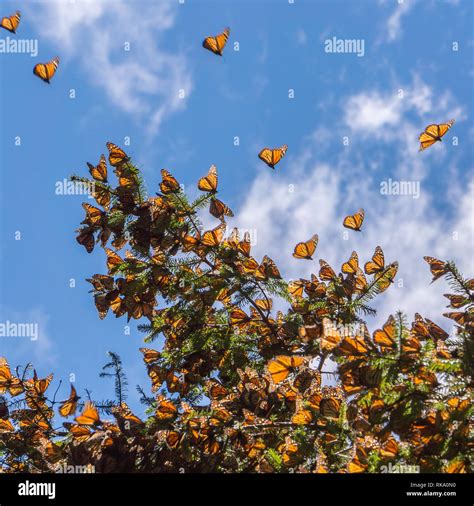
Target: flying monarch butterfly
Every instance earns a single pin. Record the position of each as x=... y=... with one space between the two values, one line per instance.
x=11 y=23
x=437 y=267
x=116 y=155
x=217 y=43
x=433 y=133
x=272 y=156
x=282 y=366
x=352 y=265
x=354 y=221
x=209 y=183
x=169 y=183
x=89 y=416
x=68 y=407
x=306 y=249
x=46 y=71
x=377 y=264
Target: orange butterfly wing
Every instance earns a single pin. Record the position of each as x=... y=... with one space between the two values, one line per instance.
x=46 y=71
x=217 y=43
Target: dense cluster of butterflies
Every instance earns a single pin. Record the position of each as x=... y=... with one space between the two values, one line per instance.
x=44 y=71
x=249 y=419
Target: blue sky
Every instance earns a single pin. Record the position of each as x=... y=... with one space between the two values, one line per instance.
x=408 y=46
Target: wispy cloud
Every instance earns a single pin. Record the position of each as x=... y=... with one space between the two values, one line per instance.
x=130 y=65
x=393 y=28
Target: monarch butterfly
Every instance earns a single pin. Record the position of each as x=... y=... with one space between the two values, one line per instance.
x=437 y=267
x=433 y=133
x=352 y=265
x=11 y=23
x=264 y=304
x=86 y=238
x=169 y=183
x=46 y=71
x=99 y=172
x=267 y=269
x=295 y=288
x=150 y=355
x=377 y=264
x=8 y=381
x=116 y=155
x=244 y=245
x=217 y=43
x=89 y=416
x=354 y=222
x=68 y=407
x=302 y=417
x=326 y=273
x=166 y=410
x=113 y=260
x=93 y=215
x=282 y=366
x=385 y=279
x=238 y=317
x=306 y=249
x=209 y=183
x=173 y=439
x=272 y=156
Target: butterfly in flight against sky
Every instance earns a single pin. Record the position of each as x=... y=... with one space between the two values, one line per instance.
x=354 y=222
x=46 y=71
x=433 y=133
x=272 y=156
x=216 y=43
x=11 y=23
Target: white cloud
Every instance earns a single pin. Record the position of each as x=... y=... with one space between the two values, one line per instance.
x=323 y=193
x=144 y=81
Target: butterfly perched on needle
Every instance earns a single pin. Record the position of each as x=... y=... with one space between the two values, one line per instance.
x=433 y=133
x=271 y=156
x=46 y=71
x=217 y=43
x=354 y=221
x=11 y=23
x=306 y=249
